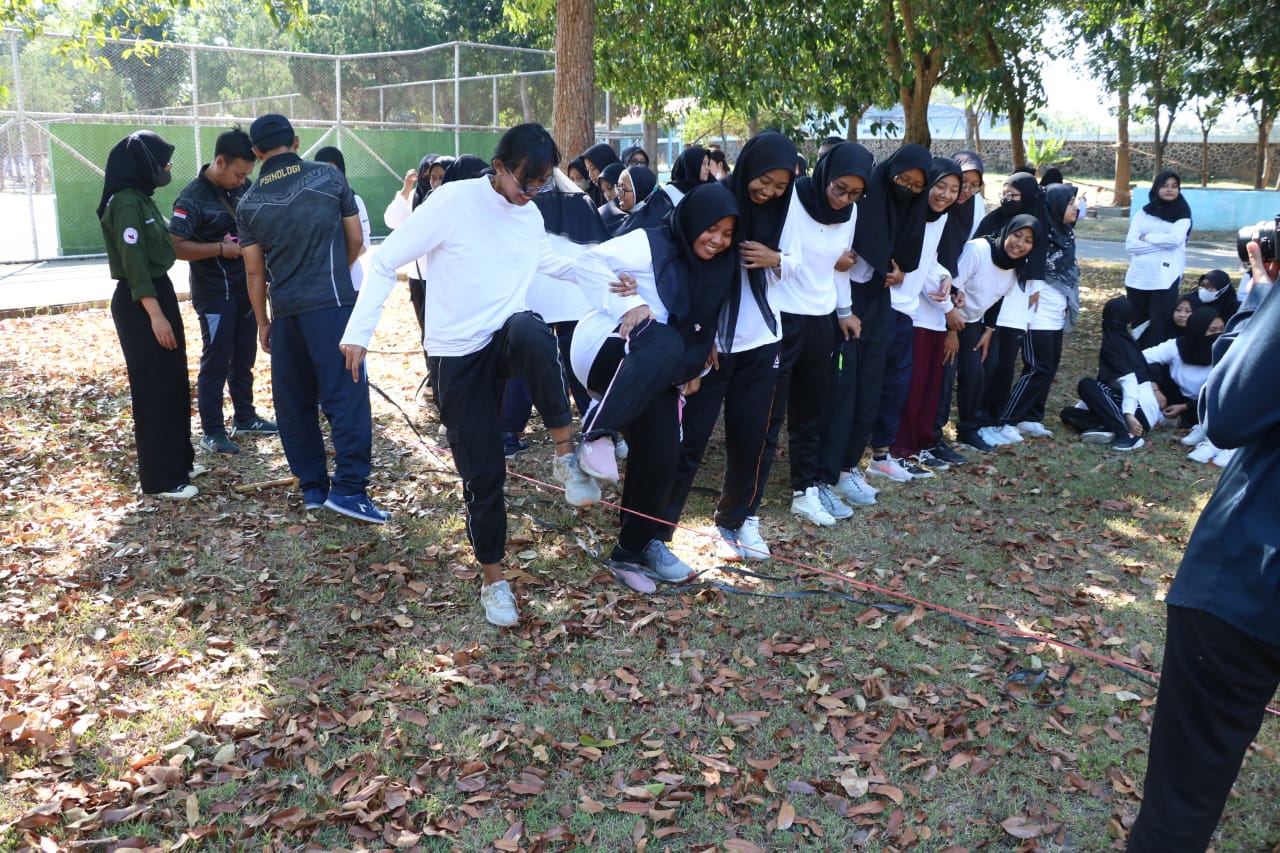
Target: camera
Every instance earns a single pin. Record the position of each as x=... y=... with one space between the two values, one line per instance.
x=1264 y=234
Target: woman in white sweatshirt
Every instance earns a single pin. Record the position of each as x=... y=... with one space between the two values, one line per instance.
x=1157 y=244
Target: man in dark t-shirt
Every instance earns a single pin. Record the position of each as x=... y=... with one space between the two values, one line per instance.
x=203 y=231
x=299 y=235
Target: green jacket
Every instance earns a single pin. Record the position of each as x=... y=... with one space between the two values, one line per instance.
x=137 y=240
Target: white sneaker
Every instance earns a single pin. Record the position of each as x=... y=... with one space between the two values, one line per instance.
x=994 y=437
x=1193 y=438
x=888 y=467
x=196 y=470
x=579 y=489
x=183 y=493
x=1034 y=428
x=727 y=547
x=1223 y=457
x=499 y=604
x=854 y=488
x=1097 y=436
x=1204 y=452
x=807 y=505
x=750 y=541
x=620 y=449
x=1010 y=432
x=831 y=502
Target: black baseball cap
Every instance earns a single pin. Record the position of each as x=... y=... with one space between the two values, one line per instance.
x=270 y=131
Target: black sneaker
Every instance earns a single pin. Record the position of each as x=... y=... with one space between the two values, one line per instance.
x=512 y=445
x=1127 y=443
x=974 y=442
x=257 y=426
x=947 y=453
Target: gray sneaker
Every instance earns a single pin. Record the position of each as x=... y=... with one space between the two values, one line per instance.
x=832 y=503
x=659 y=560
x=579 y=489
x=499 y=604
x=853 y=488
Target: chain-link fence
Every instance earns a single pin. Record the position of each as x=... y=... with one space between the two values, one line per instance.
x=385 y=111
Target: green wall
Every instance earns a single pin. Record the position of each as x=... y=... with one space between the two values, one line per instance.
x=78 y=188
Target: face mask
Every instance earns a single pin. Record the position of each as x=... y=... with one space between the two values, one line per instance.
x=903 y=193
x=163 y=177
x=1207 y=295
x=1012 y=207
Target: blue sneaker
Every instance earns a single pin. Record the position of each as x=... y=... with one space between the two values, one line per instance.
x=358 y=507
x=259 y=426
x=314 y=498
x=219 y=443
x=659 y=560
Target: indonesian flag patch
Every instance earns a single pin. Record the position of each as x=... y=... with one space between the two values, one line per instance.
x=179 y=213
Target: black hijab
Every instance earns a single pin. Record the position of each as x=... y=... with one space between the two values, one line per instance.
x=464 y=168
x=611 y=173
x=566 y=215
x=890 y=224
x=580 y=165
x=960 y=217
x=1226 y=302
x=136 y=162
x=1033 y=204
x=1119 y=354
x=694 y=291
x=939 y=168
x=1196 y=345
x=1052 y=175
x=764 y=152
x=651 y=207
x=423 y=186
x=627 y=153
x=999 y=256
x=1169 y=211
x=687 y=172
x=601 y=154
x=333 y=156
x=846 y=158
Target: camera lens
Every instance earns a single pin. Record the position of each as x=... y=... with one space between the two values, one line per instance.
x=1264 y=234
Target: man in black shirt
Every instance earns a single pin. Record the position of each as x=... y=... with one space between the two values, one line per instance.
x=203 y=230
x=300 y=226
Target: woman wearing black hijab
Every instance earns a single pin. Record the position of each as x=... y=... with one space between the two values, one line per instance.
x=417 y=186
x=464 y=168
x=821 y=222
x=596 y=158
x=1180 y=366
x=748 y=343
x=1157 y=245
x=692 y=168
x=1117 y=406
x=887 y=242
x=638 y=354
x=634 y=156
x=145 y=310
x=1215 y=290
x=640 y=199
x=610 y=213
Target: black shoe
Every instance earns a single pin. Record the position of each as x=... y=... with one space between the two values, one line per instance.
x=973 y=441
x=512 y=445
x=1127 y=443
x=947 y=453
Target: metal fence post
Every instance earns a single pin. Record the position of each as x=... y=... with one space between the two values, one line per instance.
x=337 y=99
x=457 y=100
x=28 y=166
x=195 y=106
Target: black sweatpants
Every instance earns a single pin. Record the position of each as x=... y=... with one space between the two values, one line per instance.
x=517 y=402
x=1041 y=354
x=895 y=384
x=970 y=381
x=1156 y=306
x=469 y=394
x=946 y=396
x=743 y=386
x=801 y=396
x=1215 y=684
x=159 y=389
x=1002 y=358
x=638 y=395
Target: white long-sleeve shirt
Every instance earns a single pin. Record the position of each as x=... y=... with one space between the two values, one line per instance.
x=398 y=210
x=595 y=270
x=555 y=300
x=482 y=252
x=1189 y=378
x=810 y=284
x=982 y=281
x=1158 y=250
x=905 y=297
x=1137 y=395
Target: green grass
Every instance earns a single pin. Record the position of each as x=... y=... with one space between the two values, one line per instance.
x=317 y=682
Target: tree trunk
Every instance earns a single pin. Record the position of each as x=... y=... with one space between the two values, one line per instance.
x=1122 y=192
x=1204 y=156
x=853 y=113
x=573 y=112
x=651 y=139
x=915 y=110
x=1017 y=122
x=1260 y=155
x=970 y=127
x=1159 y=159
x=526 y=104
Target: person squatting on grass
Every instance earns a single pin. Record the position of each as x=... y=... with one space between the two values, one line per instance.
x=1222 y=653
x=484 y=240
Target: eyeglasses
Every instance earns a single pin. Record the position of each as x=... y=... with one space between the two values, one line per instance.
x=974 y=187
x=624 y=190
x=904 y=181
x=530 y=190
x=1011 y=196
x=839 y=193
x=637 y=161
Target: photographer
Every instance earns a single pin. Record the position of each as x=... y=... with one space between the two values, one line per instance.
x=1222 y=653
